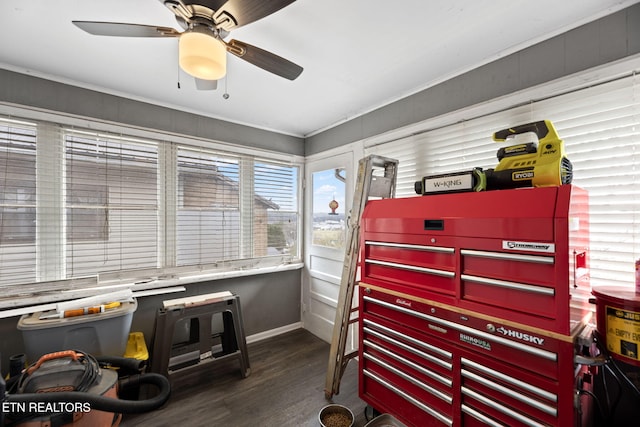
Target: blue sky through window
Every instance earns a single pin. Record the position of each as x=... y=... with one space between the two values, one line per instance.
x=327 y=187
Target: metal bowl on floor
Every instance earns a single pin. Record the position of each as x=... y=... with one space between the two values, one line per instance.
x=335 y=415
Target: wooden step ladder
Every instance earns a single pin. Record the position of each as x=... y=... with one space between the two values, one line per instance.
x=376 y=179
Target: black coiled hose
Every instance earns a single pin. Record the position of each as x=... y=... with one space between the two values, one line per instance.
x=107 y=404
x=124 y=364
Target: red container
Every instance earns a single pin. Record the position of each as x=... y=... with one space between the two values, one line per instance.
x=618 y=317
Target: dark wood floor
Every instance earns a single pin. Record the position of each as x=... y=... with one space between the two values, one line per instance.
x=285 y=388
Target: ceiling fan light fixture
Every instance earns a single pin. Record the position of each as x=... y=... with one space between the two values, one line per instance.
x=201 y=54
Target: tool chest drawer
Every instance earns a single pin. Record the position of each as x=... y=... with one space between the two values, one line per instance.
x=524 y=287
x=500 y=394
x=537 y=269
x=521 y=301
x=414 y=262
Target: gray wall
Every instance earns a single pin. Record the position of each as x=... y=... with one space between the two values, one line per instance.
x=32 y=91
x=268 y=301
x=608 y=39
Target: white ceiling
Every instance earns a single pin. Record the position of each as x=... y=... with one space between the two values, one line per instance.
x=357 y=54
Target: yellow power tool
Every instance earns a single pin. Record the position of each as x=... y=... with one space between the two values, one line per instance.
x=537 y=160
x=528 y=164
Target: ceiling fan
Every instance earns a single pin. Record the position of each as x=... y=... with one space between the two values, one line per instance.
x=201 y=46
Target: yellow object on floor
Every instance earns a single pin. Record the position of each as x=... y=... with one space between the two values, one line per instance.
x=136 y=347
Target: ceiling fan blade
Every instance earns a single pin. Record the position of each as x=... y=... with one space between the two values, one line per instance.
x=202 y=84
x=243 y=12
x=125 y=30
x=265 y=60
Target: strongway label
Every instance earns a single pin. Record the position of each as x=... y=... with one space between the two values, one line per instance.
x=529 y=246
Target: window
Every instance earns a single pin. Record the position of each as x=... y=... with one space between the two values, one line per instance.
x=329 y=225
x=17 y=201
x=600 y=126
x=234 y=208
x=83 y=203
x=276 y=206
x=208 y=220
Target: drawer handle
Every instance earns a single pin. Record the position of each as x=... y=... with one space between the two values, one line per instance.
x=443 y=273
x=412 y=247
x=479 y=416
x=510 y=285
x=507 y=256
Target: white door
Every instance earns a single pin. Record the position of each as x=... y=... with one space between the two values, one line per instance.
x=328 y=199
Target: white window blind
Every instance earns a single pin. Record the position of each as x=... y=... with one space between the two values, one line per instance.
x=208 y=218
x=17 y=201
x=111 y=203
x=276 y=205
x=234 y=207
x=601 y=130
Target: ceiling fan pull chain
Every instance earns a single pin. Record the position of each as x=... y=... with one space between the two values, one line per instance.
x=178 y=69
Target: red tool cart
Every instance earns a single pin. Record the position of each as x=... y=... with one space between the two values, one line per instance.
x=472 y=306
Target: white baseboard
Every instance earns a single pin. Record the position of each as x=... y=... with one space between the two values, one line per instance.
x=273 y=332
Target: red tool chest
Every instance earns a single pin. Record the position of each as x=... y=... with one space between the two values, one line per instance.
x=470 y=306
